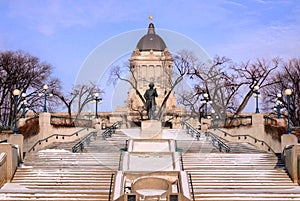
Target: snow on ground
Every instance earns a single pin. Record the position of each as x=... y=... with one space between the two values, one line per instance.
x=54 y=150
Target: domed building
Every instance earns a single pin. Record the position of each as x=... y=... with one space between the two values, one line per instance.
x=150 y=62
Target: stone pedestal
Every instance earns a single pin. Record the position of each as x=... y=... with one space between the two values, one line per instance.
x=17 y=139
x=45 y=126
x=151 y=129
x=288 y=139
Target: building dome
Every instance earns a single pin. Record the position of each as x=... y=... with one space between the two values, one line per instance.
x=151 y=41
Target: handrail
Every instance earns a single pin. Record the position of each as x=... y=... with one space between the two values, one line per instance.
x=214 y=138
x=181 y=161
x=110 y=130
x=120 y=158
x=192 y=187
x=87 y=139
x=221 y=144
x=110 y=186
x=245 y=137
x=56 y=135
x=191 y=130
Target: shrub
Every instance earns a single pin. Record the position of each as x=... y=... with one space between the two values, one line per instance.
x=30 y=128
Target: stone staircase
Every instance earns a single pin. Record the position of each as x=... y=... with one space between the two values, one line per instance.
x=55 y=173
x=239 y=176
x=109 y=145
x=205 y=145
x=58 y=174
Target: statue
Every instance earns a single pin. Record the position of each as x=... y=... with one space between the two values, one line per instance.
x=150 y=95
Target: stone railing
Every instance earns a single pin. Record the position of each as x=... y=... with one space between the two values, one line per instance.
x=270 y=121
x=59 y=138
x=69 y=122
x=230 y=122
x=9 y=160
x=244 y=138
x=291 y=157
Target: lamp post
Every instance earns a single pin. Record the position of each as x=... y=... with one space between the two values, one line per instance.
x=288 y=93
x=97 y=100
x=24 y=105
x=205 y=100
x=256 y=94
x=16 y=94
x=278 y=105
x=46 y=94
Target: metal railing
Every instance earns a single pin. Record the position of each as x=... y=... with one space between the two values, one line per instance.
x=120 y=160
x=192 y=187
x=56 y=136
x=181 y=161
x=110 y=186
x=216 y=139
x=110 y=130
x=86 y=140
x=79 y=146
x=3 y=141
x=191 y=130
x=245 y=136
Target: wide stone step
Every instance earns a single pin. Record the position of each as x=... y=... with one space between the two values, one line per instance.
x=248 y=198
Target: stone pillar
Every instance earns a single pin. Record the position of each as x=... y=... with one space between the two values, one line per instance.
x=45 y=126
x=151 y=129
x=288 y=139
x=17 y=139
x=11 y=160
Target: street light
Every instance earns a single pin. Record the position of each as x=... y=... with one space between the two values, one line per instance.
x=46 y=94
x=256 y=94
x=16 y=94
x=97 y=100
x=24 y=105
x=205 y=100
x=278 y=107
x=288 y=93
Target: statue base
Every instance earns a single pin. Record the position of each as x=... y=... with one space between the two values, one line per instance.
x=151 y=129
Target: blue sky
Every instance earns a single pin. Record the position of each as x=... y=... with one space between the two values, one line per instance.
x=65 y=32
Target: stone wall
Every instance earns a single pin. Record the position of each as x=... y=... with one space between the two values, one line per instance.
x=53 y=134
x=256 y=130
x=12 y=159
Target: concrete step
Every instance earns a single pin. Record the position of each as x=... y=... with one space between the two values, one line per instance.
x=231 y=176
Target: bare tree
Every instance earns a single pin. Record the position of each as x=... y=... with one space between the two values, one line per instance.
x=287 y=77
x=213 y=77
x=139 y=109
x=226 y=83
x=251 y=75
x=20 y=70
x=79 y=97
x=173 y=78
x=181 y=68
x=117 y=74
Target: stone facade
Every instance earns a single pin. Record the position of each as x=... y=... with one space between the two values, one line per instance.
x=151 y=62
